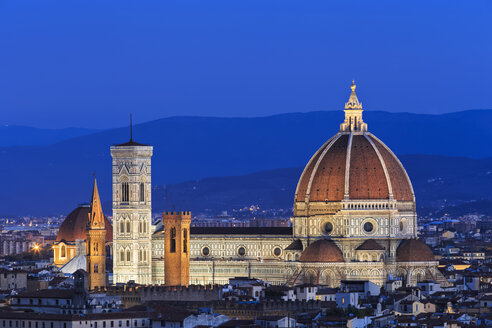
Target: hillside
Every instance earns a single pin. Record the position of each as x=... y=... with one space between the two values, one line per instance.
x=52 y=179
x=14 y=135
x=438 y=181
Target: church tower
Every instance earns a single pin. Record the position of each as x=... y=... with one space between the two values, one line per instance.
x=96 y=243
x=132 y=213
x=176 y=248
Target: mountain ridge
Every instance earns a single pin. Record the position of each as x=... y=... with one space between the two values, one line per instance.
x=49 y=179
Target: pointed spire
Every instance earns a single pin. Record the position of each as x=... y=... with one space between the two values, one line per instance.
x=96 y=216
x=353 y=114
x=353 y=102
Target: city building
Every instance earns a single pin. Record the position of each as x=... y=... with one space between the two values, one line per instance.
x=354 y=219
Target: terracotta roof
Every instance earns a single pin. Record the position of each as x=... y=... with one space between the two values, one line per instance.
x=414 y=250
x=46 y=293
x=370 y=245
x=322 y=250
x=323 y=178
x=131 y=143
x=296 y=245
x=241 y=230
x=75 y=226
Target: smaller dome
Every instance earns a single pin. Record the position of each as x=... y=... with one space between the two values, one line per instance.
x=414 y=250
x=322 y=250
x=370 y=245
x=75 y=225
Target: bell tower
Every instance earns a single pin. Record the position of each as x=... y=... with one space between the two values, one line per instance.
x=176 y=248
x=96 y=243
x=132 y=212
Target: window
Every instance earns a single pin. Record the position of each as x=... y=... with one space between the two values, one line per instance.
x=241 y=251
x=122 y=256
x=205 y=251
x=368 y=227
x=104 y=324
x=96 y=268
x=125 y=192
x=172 y=247
x=142 y=192
x=119 y=323
x=128 y=323
x=122 y=227
x=112 y=324
x=185 y=240
x=63 y=251
x=277 y=251
x=128 y=256
x=328 y=227
x=128 y=226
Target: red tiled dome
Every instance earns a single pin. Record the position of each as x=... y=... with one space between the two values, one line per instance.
x=414 y=250
x=322 y=250
x=75 y=225
x=371 y=171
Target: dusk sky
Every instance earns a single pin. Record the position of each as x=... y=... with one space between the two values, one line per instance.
x=91 y=63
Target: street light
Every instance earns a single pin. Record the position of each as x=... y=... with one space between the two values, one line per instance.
x=36 y=248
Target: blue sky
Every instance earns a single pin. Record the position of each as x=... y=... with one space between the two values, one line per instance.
x=90 y=63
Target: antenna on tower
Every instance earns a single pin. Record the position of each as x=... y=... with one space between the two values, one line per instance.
x=131 y=128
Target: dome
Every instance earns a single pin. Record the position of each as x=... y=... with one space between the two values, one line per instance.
x=75 y=224
x=354 y=165
x=322 y=250
x=414 y=250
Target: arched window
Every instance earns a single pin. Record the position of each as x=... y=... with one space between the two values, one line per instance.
x=96 y=268
x=125 y=192
x=122 y=226
x=140 y=256
x=142 y=192
x=63 y=251
x=145 y=255
x=172 y=247
x=128 y=256
x=128 y=226
x=140 y=227
x=122 y=256
x=185 y=241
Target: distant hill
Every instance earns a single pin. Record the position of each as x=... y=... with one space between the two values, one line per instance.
x=52 y=179
x=14 y=135
x=453 y=183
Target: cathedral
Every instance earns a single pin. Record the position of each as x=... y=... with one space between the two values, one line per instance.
x=354 y=219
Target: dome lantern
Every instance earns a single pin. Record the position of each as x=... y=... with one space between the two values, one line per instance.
x=353 y=114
